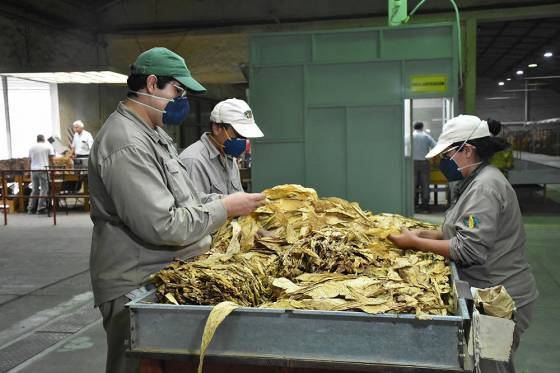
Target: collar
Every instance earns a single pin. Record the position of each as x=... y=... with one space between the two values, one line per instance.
x=463 y=186
x=213 y=152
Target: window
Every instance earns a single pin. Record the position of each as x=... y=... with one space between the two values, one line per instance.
x=33 y=110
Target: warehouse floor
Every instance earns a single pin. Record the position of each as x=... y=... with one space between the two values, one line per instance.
x=48 y=323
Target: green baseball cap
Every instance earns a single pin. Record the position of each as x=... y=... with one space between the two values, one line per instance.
x=163 y=62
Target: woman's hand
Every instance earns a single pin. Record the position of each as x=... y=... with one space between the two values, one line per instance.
x=428 y=233
x=406 y=240
x=422 y=240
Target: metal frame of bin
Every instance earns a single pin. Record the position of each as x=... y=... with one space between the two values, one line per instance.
x=302 y=338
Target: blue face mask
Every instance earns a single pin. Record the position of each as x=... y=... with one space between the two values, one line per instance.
x=450 y=169
x=174 y=113
x=234 y=147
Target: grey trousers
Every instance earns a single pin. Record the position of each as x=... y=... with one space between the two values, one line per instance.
x=523 y=318
x=116 y=323
x=40 y=187
x=422 y=180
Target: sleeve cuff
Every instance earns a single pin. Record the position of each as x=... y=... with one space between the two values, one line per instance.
x=453 y=248
x=218 y=214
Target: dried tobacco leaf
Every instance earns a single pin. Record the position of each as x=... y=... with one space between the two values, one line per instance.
x=215 y=318
x=299 y=251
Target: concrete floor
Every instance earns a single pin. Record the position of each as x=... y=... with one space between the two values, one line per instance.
x=44 y=277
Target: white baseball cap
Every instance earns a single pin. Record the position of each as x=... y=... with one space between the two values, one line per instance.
x=460 y=128
x=239 y=115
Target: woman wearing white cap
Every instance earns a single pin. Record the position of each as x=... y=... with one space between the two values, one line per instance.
x=483 y=230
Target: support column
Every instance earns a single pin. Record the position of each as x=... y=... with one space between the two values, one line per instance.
x=469 y=89
x=527 y=115
x=7 y=115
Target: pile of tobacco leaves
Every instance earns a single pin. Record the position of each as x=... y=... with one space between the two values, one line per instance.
x=300 y=251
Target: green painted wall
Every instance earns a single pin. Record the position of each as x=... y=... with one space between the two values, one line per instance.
x=331 y=106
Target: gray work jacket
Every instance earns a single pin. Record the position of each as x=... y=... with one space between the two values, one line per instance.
x=144 y=208
x=488 y=238
x=209 y=170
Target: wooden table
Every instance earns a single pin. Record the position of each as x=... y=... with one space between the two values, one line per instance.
x=60 y=177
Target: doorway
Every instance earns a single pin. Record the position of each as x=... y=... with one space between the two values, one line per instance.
x=430 y=189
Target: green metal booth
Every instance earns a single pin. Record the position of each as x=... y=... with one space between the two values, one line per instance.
x=335 y=108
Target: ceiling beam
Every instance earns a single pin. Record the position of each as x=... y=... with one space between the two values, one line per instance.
x=220 y=23
x=83 y=5
x=107 y=5
x=484 y=14
x=531 y=52
x=500 y=13
x=62 y=15
x=491 y=66
x=22 y=12
x=498 y=34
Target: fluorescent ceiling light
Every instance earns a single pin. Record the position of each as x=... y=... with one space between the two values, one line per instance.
x=508 y=79
x=519 y=72
x=86 y=77
x=542 y=77
x=500 y=98
x=548 y=54
x=520 y=90
x=532 y=65
x=501 y=83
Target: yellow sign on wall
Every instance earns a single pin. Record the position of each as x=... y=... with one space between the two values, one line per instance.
x=428 y=83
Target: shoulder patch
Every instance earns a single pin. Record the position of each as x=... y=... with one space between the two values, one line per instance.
x=471 y=221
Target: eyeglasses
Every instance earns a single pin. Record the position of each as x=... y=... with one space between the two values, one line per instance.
x=182 y=91
x=446 y=154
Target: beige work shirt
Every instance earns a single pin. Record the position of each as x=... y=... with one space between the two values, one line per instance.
x=144 y=208
x=209 y=170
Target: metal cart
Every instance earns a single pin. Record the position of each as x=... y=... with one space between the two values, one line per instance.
x=286 y=339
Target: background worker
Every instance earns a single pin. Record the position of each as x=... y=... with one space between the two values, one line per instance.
x=81 y=144
x=212 y=160
x=40 y=157
x=421 y=145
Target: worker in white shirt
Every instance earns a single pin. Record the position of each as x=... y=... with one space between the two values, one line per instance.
x=421 y=145
x=81 y=144
x=40 y=156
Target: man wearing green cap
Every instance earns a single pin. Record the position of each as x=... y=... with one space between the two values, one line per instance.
x=144 y=207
